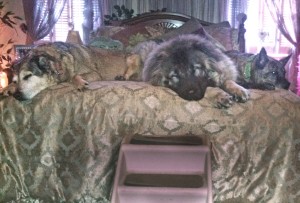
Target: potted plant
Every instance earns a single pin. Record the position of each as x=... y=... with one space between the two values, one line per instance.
x=122 y=13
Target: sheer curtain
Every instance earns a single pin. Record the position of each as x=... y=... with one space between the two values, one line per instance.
x=41 y=16
x=292 y=35
x=94 y=11
x=235 y=7
x=208 y=10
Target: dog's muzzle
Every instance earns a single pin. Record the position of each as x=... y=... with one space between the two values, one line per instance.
x=192 y=89
x=19 y=96
x=192 y=94
x=284 y=84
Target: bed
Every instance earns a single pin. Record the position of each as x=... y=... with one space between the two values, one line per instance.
x=62 y=146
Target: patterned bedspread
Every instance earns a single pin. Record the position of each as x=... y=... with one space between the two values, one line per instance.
x=63 y=145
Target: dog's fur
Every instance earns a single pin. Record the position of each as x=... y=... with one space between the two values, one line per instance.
x=53 y=63
x=188 y=64
x=260 y=71
x=136 y=59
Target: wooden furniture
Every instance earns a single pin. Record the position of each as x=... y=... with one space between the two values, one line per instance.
x=175 y=20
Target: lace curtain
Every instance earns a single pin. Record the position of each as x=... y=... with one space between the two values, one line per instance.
x=41 y=16
x=293 y=36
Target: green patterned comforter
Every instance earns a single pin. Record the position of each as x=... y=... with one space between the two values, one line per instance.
x=62 y=146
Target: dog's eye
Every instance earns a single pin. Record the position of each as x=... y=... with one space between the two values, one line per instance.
x=173 y=75
x=196 y=70
x=26 y=77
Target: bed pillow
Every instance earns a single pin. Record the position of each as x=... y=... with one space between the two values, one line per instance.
x=193 y=26
x=224 y=34
x=125 y=34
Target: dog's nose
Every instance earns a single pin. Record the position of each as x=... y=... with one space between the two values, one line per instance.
x=19 y=96
x=191 y=91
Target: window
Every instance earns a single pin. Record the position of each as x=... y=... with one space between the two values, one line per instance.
x=73 y=15
x=262 y=31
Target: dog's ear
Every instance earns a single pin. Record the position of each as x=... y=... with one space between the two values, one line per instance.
x=162 y=54
x=262 y=59
x=284 y=60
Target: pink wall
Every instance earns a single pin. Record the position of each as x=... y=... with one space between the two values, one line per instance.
x=7 y=33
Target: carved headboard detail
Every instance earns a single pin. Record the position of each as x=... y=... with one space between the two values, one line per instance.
x=168 y=20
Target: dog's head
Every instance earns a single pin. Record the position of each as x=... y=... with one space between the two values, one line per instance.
x=182 y=71
x=33 y=74
x=269 y=73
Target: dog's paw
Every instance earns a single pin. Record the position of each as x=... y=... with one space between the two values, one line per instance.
x=239 y=93
x=11 y=89
x=223 y=100
x=79 y=83
x=120 y=77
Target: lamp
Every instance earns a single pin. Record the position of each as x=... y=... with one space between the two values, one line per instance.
x=74 y=37
x=3 y=79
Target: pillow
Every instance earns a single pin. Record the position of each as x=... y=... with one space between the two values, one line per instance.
x=125 y=34
x=193 y=26
x=224 y=34
x=106 y=31
x=132 y=35
x=106 y=43
x=156 y=31
x=190 y=27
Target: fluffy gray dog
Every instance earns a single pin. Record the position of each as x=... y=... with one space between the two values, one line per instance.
x=188 y=64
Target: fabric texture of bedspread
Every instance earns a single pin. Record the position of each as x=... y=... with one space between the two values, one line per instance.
x=62 y=146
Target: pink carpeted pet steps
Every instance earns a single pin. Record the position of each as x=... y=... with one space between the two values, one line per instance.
x=163 y=170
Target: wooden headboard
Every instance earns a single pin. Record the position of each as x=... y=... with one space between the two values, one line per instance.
x=174 y=20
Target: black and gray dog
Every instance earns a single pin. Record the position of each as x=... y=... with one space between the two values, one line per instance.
x=259 y=71
x=188 y=64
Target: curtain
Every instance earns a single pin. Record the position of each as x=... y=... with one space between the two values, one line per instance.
x=41 y=16
x=87 y=26
x=94 y=11
x=293 y=36
x=236 y=7
x=202 y=9
x=104 y=7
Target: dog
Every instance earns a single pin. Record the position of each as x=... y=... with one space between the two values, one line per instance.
x=53 y=63
x=135 y=60
x=259 y=71
x=188 y=64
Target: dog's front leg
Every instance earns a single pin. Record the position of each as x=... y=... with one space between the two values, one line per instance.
x=80 y=83
x=133 y=66
x=238 y=92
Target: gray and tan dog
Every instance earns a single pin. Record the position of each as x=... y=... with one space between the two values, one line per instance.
x=53 y=63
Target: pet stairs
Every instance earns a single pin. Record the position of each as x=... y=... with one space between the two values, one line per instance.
x=163 y=170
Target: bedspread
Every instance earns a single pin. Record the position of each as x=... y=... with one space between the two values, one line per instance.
x=62 y=146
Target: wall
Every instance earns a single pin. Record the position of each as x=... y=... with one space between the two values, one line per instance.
x=7 y=33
